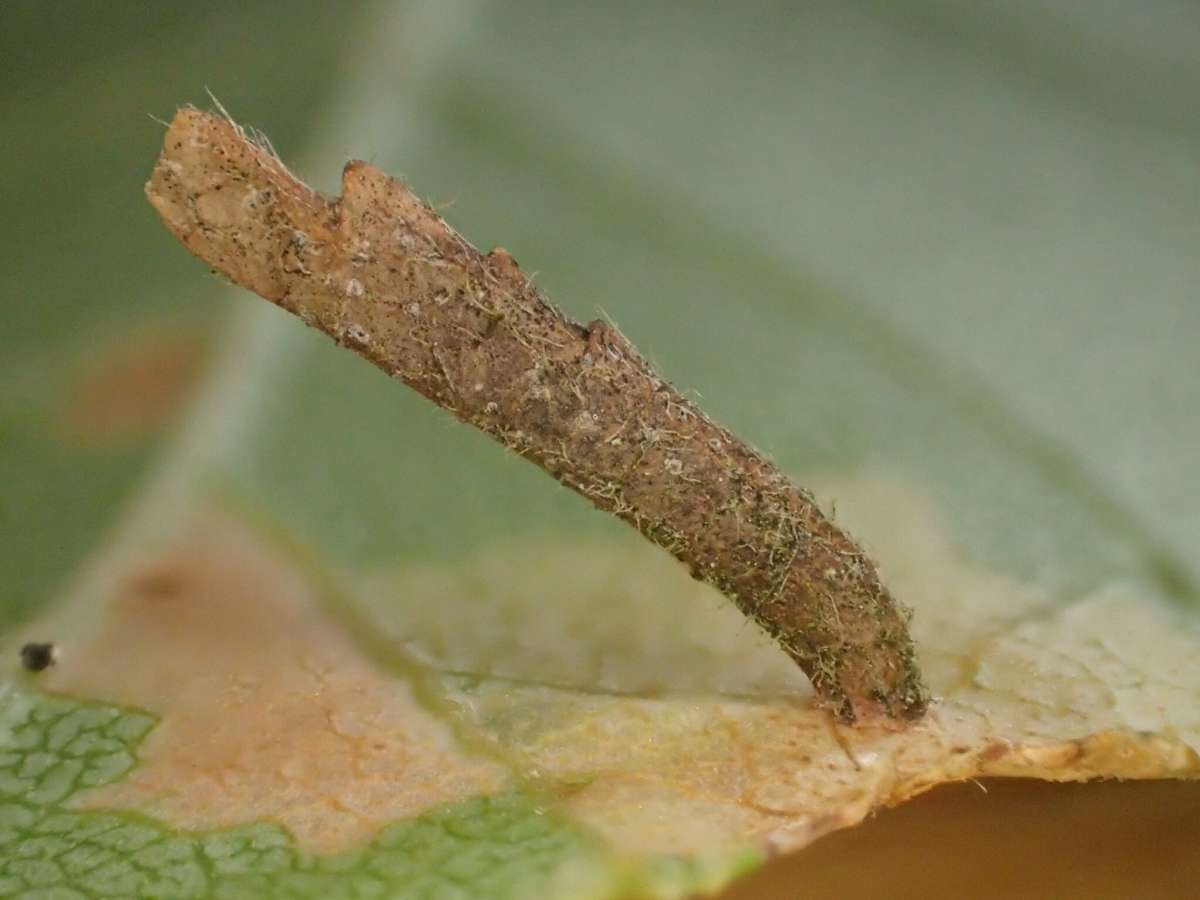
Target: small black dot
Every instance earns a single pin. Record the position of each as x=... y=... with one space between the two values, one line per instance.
x=36 y=657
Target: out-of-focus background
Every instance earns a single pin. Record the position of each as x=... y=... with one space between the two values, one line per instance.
x=940 y=236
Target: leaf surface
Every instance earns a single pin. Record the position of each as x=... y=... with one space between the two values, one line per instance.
x=315 y=638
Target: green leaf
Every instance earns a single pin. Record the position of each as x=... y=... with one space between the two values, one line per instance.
x=317 y=640
x=57 y=749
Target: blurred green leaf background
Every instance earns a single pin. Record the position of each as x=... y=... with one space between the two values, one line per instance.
x=938 y=238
